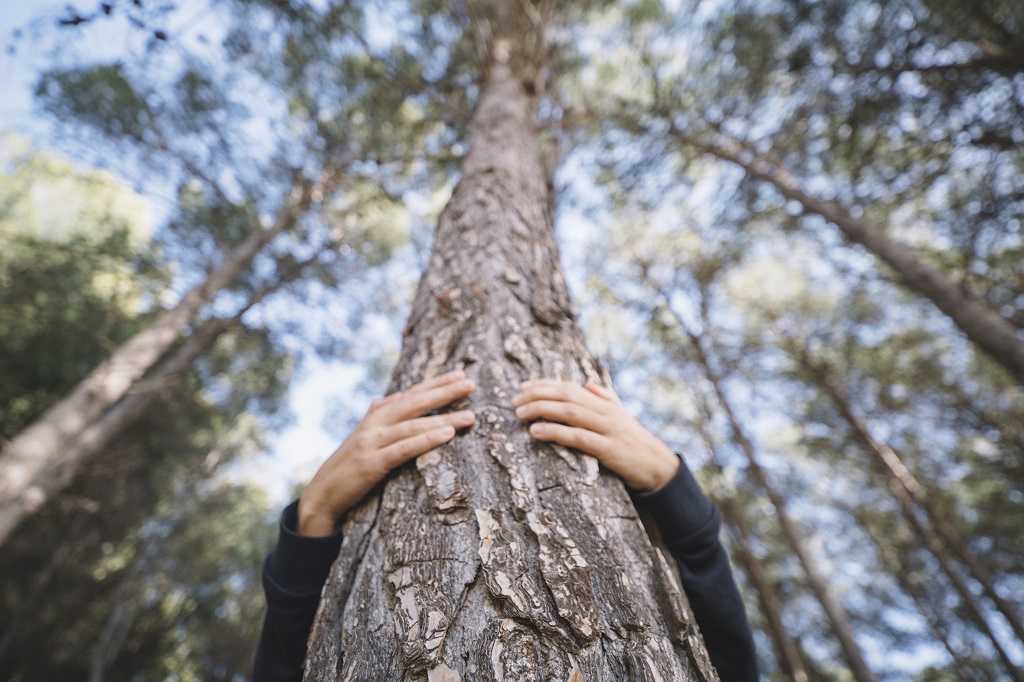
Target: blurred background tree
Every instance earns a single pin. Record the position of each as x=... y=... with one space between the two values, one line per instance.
x=717 y=160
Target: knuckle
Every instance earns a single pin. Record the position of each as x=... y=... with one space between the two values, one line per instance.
x=365 y=440
x=406 y=449
x=360 y=444
x=394 y=455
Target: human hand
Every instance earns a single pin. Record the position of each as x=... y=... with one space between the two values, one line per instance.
x=591 y=418
x=392 y=432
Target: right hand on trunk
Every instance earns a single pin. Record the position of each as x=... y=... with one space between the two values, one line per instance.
x=392 y=432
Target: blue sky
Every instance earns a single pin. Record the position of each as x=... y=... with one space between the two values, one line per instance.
x=300 y=447
x=323 y=391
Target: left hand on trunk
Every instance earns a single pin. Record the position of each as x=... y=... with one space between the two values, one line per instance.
x=591 y=418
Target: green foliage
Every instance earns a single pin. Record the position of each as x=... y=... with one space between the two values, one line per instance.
x=907 y=113
x=123 y=562
x=851 y=99
x=101 y=96
x=73 y=274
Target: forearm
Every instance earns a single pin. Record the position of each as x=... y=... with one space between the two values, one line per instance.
x=690 y=525
x=293 y=578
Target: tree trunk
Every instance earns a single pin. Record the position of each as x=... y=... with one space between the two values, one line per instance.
x=61 y=471
x=497 y=557
x=786 y=651
x=939 y=537
x=834 y=611
x=985 y=327
x=42 y=583
x=929 y=607
x=41 y=443
x=787 y=654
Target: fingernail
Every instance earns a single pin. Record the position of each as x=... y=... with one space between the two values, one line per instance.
x=466 y=385
x=449 y=431
x=520 y=412
x=526 y=384
x=467 y=416
x=537 y=429
x=456 y=373
x=516 y=399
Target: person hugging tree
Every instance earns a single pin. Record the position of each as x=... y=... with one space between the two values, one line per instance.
x=589 y=418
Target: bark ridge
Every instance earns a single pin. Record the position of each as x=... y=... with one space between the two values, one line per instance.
x=497 y=558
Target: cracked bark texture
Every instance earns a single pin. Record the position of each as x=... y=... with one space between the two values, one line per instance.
x=496 y=557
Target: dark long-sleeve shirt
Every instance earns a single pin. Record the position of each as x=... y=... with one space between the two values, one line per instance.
x=294 y=575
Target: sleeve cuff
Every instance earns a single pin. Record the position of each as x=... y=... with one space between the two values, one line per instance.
x=299 y=563
x=680 y=506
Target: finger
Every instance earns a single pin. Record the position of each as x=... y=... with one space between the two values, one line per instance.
x=570 y=413
x=398 y=453
x=440 y=380
x=389 y=397
x=602 y=392
x=378 y=403
x=563 y=391
x=414 y=427
x=418 y=388
x=572 y=437
x=419 y=403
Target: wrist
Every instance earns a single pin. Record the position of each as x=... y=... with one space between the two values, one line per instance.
x=314 y=520
x=663 y=468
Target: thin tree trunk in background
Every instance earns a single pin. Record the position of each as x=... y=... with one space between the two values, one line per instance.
x=786 y=650
x=131 y=598
x=96 y=436
x=119 y=624
x=497 y=558
x=931 y=542
x=1008 y=430
x=834 y=611
x=926 y=606
x=40 y=444
x=983 y=325
x=787 y=653
x=42 y=581
x=941 y=536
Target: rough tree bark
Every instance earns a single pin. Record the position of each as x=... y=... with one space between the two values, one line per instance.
x=497 y=558
x=39 y=445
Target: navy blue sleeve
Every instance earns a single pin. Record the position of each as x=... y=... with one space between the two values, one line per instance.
x=295 y=572
x=690 y=525
x=293 y=577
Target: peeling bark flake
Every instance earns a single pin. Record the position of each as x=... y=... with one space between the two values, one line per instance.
x=443 y=673
x=506 y=572
x=564 y=570
x=443 y=478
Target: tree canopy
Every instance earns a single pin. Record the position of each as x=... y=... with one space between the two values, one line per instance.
x=793 y=227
